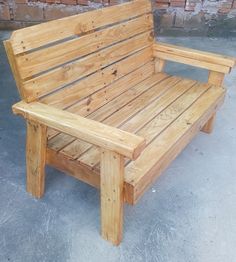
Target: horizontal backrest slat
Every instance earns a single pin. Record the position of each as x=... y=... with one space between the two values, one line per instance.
x=68 y=73
x=44 y=59
x=55 y=55
x=39 y=35
x=67 y=96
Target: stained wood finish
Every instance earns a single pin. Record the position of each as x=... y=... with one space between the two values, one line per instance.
x=40 y=35
x=87 y=130
x=161 y=115
x=202 y=59
x=36 y=157
x=112 y=196
x=66 y=74
x=159 y=65
x=208 y=127
x=41 y=60
x=215 y=78
x=94 y=93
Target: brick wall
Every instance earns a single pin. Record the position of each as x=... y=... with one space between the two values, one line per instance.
x=196 y=17
x=172 y=17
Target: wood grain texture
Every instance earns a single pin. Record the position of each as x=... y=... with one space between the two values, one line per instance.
x=193 y=62
x=118 y=75
x=208 y=127
x=66 y=74
x=87 y=130
x=216 y=78
x=169 y=144
x=36 y=36
x=35 y=158
x=44 y=59
x=112 y=196
x=159 y=65
x=14 y=68
x=193 y=54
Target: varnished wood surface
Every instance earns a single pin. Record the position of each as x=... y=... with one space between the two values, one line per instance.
x=165 y=118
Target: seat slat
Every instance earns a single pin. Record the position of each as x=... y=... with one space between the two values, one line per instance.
x=160 y=120
x=167 y=123
x=125 y=97
x=36 y=36
x=41 y=60
x=166 y=146
x=104 y=96
x=68 y=73
x=145 y=97
x=91 y=157
x=119 y=101
x=110 y=93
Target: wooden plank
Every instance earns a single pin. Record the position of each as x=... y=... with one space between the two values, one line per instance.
x=71 y=167
x=41 y=60
x=192 y=62
x=112 y=196
x=43 y=84
x=216 y=78
x=78 y=171
x=91 y=157
x=208 y=127
x=35 y=36
x=69 y=95
x=90 y=131
x=148 y=113
x=109 y=108
x=158 y=122
x=169 y=144
x=14 y=67
x=101 y=97
x=35 y=158
x=103 y=112
x=159 y=65
x=208 y=57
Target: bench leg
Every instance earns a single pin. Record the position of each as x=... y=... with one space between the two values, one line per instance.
x=35 y=158
x=208 y=127
x=112 y=196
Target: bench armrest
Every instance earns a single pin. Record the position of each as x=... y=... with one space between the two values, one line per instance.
x=206 y=60
x=96 y=133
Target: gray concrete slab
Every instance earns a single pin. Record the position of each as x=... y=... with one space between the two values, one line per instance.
x=189 y=214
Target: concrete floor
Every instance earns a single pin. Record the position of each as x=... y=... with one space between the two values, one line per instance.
x=189 y=214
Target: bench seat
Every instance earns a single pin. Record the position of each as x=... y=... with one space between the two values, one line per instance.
x=166 y=110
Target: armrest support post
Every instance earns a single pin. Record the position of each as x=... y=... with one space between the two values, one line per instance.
x=216 y=78
x=159 y=65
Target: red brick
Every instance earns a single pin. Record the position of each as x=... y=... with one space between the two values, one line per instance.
x=50 y=1
x=21 y=1
x=24 y=12
x=82 y=2
x=69 y=2
x=4 y=12
x=162 y=5
x=58 y=11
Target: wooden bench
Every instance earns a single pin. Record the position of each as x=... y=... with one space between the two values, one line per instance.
x=100 y=107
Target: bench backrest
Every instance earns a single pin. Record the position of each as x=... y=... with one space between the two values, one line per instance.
x=83 y=52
